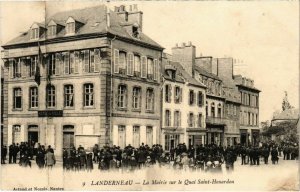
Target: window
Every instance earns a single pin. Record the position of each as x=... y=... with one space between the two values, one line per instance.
x=200 y=99
x=178 y=94
x=149 y=99
x=66 y=62
x=249 y=121
x=137 y=66
x=149 y=135
x=168 y=93
x=136 y=98
x=88 y=95
x=86 y=60
x=200 y=120
x=135 y=32
x=136 y=136
x=50 y=96
x=206 y=109
x=33 y=65
x=191 y=120
x=191 y=99
x=122 y=94
x=68 y=96
x=33 y=97
x=167 y=118
x=122 y=136
x=122 y=62
x=219 y=110
x=212 y=110
x=256 y=119
x=177 y=119
x=17 y=98
x=35 y=33
x=150 y=68
x=15 y=67
x=116 y=61
x=51 y=65
x=70 y=29
x=95 y=59
x=144 y=67
x=130 y=64
x=253 y=119
x=51 y=30
x=156 y=70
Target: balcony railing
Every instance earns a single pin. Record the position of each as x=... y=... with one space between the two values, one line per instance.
x=215 y=120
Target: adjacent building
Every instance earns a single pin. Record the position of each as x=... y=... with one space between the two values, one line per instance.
x=183 y=107
x=249 y=110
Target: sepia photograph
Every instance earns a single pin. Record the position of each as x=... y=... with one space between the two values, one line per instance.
x=149 y=95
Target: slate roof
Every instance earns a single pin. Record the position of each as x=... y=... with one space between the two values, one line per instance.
x=94 y=20
x=182 y=75
x=202 y=71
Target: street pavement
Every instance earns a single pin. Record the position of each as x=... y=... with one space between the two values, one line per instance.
x=282 y=176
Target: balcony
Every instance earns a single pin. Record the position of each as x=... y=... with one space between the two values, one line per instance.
x=215 y=120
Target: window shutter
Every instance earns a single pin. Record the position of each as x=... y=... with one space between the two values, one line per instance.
x=92 y=61
x=155 y=70
x=97 y=60
x=86 y=61
x=76 y=60
x=175 y=94
x=116 y=61
x=66 y=62
x=170 y=93
x=170 y=122
x=144 y=67
x=11 y=68
x=180 y=95
x=131 y=63
x=24 y=68
x=57 y=63
x=188 y=120
x=128 y=64
x=179 y=119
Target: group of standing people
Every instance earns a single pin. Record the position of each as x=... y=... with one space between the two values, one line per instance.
x=26 y=153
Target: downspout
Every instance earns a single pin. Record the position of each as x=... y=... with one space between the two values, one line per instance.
x=111 y=90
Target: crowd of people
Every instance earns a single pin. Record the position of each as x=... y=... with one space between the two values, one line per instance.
x=201 y=157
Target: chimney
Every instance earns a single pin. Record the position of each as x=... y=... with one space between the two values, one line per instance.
x=185 y=55
x=121 y=11
x=135 y=16
x=225 y=68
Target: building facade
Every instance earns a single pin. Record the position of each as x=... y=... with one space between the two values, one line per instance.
x=183 y=108
x=249 y=110
x=83 y=77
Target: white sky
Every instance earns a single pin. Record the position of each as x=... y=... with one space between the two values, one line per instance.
x=264 y=36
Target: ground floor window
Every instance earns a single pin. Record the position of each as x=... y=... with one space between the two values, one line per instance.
x=136 y=136
x=17 y=134
x=171 y=141
x=149 y=136
x=122 y=136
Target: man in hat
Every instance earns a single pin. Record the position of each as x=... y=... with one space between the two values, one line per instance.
x=3 y=154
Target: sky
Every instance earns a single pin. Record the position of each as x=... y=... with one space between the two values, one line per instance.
x=262 y=36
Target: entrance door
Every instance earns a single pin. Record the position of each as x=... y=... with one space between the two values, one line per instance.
x=68 y=136
x=172 y=143
x=243 y=139
x=33 y=137
x=136 y=136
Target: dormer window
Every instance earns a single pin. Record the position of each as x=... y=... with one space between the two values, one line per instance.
x=135 y=31
x=51 y=31
x=35 y=33
x=70 y=28
x=36 y=30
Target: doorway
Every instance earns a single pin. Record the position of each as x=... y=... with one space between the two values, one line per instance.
x=68 y=137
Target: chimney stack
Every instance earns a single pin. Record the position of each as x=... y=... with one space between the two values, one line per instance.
x=185 y=55
x=135 y=16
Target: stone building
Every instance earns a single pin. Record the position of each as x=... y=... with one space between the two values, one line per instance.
x=249 y=110
x=183 y=107
x=83 y=77
x=225 y=97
